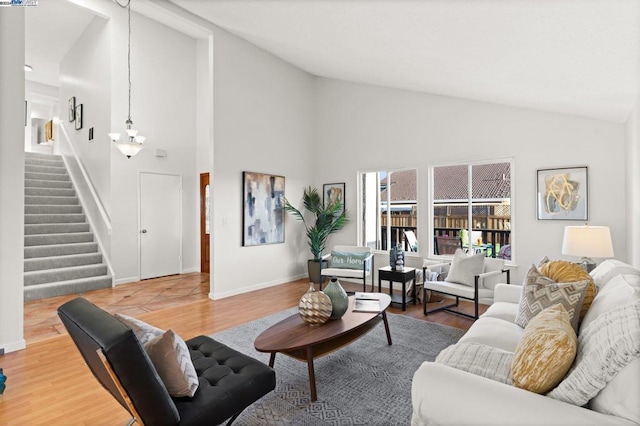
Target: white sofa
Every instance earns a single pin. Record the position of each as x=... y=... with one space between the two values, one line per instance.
x=443 y=395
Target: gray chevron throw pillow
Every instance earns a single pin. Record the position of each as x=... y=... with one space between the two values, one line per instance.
x=540 y=292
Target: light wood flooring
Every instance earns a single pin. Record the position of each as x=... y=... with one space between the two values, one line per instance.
x=48 y=382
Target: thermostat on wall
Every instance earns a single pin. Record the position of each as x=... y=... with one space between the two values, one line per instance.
x=161 y=153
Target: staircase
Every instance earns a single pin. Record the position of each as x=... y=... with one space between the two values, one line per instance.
x=60 y=255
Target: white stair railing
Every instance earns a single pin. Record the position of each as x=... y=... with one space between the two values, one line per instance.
x=96 y=213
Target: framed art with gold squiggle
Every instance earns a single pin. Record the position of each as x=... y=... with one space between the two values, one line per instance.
x=563 y=194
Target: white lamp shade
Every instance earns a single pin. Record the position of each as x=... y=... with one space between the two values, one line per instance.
x=129 y=149
x=114 y=136
x=587 y=241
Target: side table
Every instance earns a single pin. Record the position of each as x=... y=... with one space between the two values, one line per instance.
x=400 y=275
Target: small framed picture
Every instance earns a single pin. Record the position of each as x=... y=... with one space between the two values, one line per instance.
x=72 y=109
x=79 y=117
x=563 y=194
x=332 y=193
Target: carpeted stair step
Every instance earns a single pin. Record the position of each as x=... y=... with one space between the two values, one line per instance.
x=41 y=291
x=65 y=274
x=55 y=228
x=32 y=183
x=44 y=162
x=60 y=254
x=28 y=199
x=56 y=262
x=46 y=176
x=54 y=218
x=50 y=192
x=52 y=209
x=59 y=250
x=29 y=168
x=42 y=240
x=37 y=155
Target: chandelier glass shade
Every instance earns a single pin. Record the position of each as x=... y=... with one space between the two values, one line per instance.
x=132 y=143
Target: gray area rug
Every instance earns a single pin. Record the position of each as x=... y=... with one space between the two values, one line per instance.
x=364 y=383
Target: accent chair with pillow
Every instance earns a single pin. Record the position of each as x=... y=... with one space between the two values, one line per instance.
x=543 y=373
x=350 y=262
x=159 y=378
x=470 y=277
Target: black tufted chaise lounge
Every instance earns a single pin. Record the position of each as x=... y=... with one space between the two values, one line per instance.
x=229 y=381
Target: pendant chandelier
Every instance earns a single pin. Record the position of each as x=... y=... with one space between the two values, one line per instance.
x=132 y=143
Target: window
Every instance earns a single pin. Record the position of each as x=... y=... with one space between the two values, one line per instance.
x=472 y=208
x=389 y=210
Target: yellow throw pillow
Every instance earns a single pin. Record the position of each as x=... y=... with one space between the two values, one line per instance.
x=562 y=271
x=545 y=351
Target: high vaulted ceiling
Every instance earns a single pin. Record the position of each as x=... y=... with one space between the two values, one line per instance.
x=579 y=57
x=51 y=28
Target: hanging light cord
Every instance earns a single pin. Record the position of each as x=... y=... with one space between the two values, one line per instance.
x=128 y=7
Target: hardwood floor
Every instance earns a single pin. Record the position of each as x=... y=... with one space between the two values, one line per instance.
x=48 y=382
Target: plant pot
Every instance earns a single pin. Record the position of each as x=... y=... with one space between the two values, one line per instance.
x=314 y=270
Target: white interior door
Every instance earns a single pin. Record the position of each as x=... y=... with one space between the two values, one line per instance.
x=160 y=225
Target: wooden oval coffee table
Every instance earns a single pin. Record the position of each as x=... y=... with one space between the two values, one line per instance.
x=299 y=340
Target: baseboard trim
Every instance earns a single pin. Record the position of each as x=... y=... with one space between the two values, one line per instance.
x=223 y=295
x=190 y=270
x=14 y=346
x=126 y=280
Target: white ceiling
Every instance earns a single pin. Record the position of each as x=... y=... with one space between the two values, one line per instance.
x=51 y=28
x=580 y=57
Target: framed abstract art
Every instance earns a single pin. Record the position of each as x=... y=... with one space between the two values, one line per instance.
x=263 y=210
x=563 y=194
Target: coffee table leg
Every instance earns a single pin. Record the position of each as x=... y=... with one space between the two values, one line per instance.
x=312 y=375
x=386 y=327
x=272 y=359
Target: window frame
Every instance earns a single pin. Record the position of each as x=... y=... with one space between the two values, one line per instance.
x=360 y=208
x=470 y=164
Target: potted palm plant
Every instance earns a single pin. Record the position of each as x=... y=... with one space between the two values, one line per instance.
x=322 y=222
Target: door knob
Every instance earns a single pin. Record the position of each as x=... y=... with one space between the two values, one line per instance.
x=144 y=231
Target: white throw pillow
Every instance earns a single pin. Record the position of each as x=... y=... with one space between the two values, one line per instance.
x=619 y=291
x=604 y=272
x=464 y=268
x=479 y=359
x=605 y=347
x=621 y=395
x=170 y=356
x=143 y=331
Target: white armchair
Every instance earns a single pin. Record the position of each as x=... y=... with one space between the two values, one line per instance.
x=475 y=285
x=352 y=262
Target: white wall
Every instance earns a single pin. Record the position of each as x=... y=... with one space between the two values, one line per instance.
x=42 y=102
x=366 y=128
x=163 y=108
x=12 y=178
x=84 y=74
x=632 y=137
x=204 y=109
x=263 y=122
